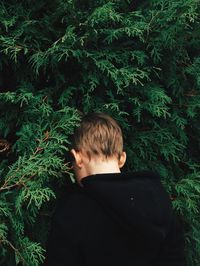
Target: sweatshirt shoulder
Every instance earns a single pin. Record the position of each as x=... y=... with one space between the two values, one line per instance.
x=74 y=202
x=147 y=174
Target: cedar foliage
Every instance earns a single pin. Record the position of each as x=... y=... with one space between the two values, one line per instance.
x=136 y=60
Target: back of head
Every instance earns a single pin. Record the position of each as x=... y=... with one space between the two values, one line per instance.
x=98 y=135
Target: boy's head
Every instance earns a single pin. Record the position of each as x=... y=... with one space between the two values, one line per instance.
x=98 y=139
x=98 y=135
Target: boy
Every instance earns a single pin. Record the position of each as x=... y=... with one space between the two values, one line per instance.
x=112 y=218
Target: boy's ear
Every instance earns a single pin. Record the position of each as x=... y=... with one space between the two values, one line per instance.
x=77 y=157
x=122 y=159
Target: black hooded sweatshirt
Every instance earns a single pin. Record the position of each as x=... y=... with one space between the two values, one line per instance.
x=116 y=219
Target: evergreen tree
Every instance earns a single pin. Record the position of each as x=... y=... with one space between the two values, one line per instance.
x=136 y=60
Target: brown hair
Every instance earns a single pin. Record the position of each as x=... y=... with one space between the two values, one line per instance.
x=98 y=134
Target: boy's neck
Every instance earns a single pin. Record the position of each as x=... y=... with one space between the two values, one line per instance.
x=102 y=167
x=98 y=167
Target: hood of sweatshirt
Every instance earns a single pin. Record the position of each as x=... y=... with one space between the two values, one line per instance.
x=137 y=201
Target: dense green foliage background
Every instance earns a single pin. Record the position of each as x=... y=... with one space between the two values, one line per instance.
x=136 y=60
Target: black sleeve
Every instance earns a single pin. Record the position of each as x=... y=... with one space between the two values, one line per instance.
x=172 y=252
x=62 y=249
